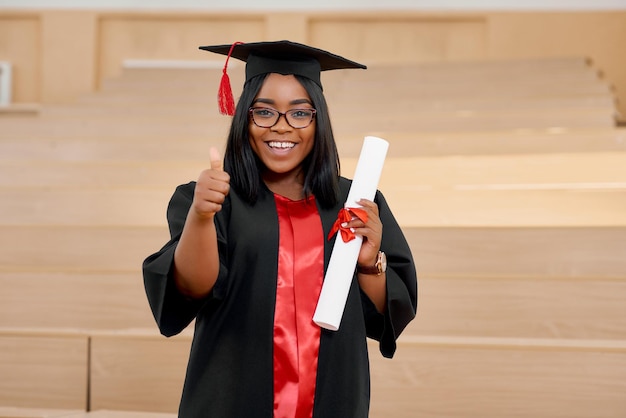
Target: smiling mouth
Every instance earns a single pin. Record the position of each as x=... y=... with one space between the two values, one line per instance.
x=281 y=145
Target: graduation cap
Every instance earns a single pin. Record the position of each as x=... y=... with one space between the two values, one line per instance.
x=282 y=57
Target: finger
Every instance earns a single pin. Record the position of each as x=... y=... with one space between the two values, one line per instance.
x=368 y=204
x=217 y=163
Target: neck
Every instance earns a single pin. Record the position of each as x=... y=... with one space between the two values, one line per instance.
x=290 y=186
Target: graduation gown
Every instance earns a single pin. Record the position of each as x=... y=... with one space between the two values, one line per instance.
x=230 y=369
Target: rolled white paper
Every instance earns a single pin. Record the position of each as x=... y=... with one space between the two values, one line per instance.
x=332 y=300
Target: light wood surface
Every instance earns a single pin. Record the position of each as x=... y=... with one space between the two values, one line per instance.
x=138 y=371
x=524 y=307
x=123 y=414
x=438 y=251
x=498 y=378
x=515 y=215
x=43 y=371
x=15 y=412
x=73 y=300
x=507 y=190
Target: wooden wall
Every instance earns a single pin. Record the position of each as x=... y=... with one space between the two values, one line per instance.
x=60 y=55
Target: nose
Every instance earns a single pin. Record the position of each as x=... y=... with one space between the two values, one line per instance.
x=281 y=124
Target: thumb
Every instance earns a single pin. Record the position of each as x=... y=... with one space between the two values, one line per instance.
x=217 y=163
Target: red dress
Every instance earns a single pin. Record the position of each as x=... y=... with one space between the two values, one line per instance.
x=296 y=336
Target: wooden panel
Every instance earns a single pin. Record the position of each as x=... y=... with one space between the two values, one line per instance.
x=63 y=31
x=542 y=307
x=19 y=44
x=171 y=36
x=43 y=371
x=502 y=378
x=138 y=372
x=74 y=300
x=401 y=38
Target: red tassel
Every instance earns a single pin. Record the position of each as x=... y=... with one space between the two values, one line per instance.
x=225 y=99
x=225 y=96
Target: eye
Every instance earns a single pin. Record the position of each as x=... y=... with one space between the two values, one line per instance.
x=301 y=113
x=263 y=112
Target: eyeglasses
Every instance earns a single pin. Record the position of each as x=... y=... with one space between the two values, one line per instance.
x=264 y=117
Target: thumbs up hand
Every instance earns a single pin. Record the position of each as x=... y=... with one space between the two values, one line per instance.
x=212 y=187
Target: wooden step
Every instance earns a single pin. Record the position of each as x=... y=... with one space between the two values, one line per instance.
x=420 y=120
x=146 y=104
x=507 y=190
x=477 y=121
x=548 y=171
x=71 y=300
x=439 y=252
x=129 y=372
x=123 y=414
x=54 y=129
x=30 y=143
x=523 y=377
x=521 y=307
x=44 y=369
x=526 y=252
x=15 y=412
x=509 y=306
x=473 y=205
x=484 y=377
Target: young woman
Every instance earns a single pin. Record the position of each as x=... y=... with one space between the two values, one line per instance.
x=249 y=247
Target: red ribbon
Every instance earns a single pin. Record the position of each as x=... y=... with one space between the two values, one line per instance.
x=346 y=215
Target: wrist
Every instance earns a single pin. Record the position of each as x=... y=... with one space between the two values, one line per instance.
x=378 y=268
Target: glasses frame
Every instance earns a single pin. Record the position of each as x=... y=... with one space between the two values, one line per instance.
x=280 y=114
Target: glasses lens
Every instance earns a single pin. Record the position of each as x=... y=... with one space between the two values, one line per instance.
x=263 y=117
x=300 y=118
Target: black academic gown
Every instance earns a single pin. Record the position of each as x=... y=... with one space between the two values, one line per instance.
x=230 y=369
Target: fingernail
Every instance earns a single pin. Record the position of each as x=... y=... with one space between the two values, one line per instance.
x=343 y=225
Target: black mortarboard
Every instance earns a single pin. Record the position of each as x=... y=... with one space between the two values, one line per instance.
x=282 y=57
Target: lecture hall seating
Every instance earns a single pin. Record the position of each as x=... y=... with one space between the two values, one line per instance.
x=506 y=176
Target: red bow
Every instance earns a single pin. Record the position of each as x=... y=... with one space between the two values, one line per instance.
x=345 y=215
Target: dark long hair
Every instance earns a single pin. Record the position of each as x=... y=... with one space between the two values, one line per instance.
x=321 y=166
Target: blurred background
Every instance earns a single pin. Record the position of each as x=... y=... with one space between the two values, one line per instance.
x=506 y=170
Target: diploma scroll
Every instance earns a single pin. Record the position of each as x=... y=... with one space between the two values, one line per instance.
x=343 y=259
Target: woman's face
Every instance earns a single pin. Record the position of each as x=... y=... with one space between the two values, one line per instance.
x=281 y=147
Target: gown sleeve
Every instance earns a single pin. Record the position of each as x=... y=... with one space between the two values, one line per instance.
x=401 y=285
x=172 y=310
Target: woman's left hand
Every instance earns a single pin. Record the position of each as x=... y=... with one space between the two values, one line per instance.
x=371 y=231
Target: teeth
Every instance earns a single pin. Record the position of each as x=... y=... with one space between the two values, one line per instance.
x=282 y=145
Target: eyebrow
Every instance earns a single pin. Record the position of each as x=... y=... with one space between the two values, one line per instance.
x=272 y=102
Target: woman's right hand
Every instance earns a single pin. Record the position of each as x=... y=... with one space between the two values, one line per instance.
x=212 y=188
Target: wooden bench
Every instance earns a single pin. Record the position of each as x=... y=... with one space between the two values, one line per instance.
x=522 y=280
x=505 y=190
x=15 y=412
x=498 y=377
x=138 y=370
x=44 y=368
x=445 y=374
x=91 y=149
x=123 y=414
